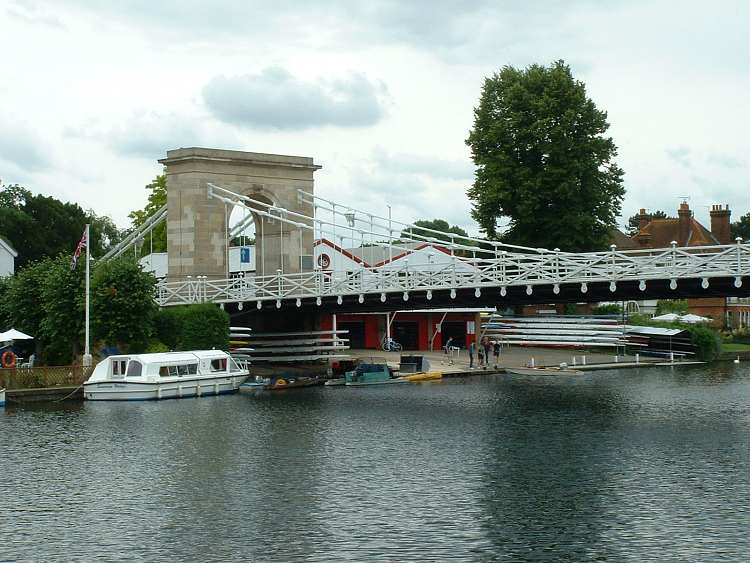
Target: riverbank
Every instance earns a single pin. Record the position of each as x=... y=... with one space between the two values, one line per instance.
x=454 y=366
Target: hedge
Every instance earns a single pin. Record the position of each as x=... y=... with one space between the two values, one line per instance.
x=193 y=327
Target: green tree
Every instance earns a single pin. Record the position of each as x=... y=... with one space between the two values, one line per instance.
x=741 y=228
x=122 y=304
x=437 y=225
x=24 y=301
x=635 y=220
x=677 y=306
x=40 y=226
x=63 y=304
x=157 y=198
x=543 y=161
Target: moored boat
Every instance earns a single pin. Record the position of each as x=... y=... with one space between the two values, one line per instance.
x=279 y=383
x=543 y=371
x=371 y=373
x=423 y=376
x=168 y=375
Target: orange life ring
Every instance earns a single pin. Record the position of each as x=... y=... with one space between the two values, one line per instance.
x=8 y=359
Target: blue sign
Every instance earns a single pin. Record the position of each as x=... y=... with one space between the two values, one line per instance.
x=245 y=255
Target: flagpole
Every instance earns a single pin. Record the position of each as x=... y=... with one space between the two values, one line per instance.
x=87 y=359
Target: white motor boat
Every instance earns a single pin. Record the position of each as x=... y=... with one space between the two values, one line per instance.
x=2 y=397
x=168 y=375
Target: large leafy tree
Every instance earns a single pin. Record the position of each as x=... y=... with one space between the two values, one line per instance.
x=543 y=161
x=635 y=220
x=63 y=300
x=24 y=302
x=157 y=198
x=122 y=304
x=40 y=226
x=741 y=228
x=437 y=225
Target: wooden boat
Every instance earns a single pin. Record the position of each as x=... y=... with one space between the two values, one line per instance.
x=544 y=371
x=169 y=375
x=279 y=383
x=423 y=376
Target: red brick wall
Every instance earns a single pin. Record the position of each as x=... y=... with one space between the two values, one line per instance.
x=713 y=307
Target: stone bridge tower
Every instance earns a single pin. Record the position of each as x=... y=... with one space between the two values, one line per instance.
x=196 y=224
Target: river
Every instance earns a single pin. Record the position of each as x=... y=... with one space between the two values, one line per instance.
x=621 y=465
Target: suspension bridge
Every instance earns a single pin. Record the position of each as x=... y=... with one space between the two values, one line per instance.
x=313 y=253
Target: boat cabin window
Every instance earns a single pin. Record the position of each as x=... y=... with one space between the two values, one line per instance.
x=178 y=371
x=119 y=367
x=219 y=364
x=134 y=368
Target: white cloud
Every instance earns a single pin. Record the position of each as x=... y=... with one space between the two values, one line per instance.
x=22 y=147
x=107 y=91
x=274 y=99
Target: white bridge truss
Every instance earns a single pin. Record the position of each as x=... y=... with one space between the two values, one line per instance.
x=493 y=265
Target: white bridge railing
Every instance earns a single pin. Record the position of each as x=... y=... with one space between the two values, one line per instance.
x=507 y=269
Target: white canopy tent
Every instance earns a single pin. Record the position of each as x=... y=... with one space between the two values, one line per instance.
x=694 y=319
x=668 y=317
x=689 y=318
x=14 y=334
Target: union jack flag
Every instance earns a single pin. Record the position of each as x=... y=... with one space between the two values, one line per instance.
x=81 y=245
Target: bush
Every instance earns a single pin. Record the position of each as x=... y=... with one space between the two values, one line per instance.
x=707 y=342
x=155 y=346
x=167 y=325
x=193 y=327
x=607 y=309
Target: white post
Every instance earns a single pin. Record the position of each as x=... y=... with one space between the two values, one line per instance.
x=333 y=324
x=387 y=327
x=583 y=360
x=532 y=362
x=637 y=358
x=87 y=359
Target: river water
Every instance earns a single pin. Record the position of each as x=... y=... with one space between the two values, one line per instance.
x=619 y=465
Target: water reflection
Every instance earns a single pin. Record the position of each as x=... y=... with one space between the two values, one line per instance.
x=618 y=465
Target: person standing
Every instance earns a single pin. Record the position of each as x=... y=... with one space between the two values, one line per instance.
x=472 y=351
x=448 y=344
x=487 y=345
x=496 y=351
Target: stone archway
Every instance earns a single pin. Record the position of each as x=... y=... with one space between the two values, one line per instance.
x=197 y=224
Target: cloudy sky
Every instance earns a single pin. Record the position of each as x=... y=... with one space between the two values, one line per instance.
x=381 y=93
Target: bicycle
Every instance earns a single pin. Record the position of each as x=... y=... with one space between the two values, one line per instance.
x=390 y=345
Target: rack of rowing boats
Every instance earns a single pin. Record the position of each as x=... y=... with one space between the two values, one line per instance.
x=557 y=332
x=288 y=347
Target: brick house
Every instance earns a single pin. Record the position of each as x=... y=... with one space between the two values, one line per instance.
x=686 y=231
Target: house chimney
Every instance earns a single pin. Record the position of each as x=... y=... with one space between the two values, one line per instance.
x=720 y=224
x=684 y=214
x=643 y=219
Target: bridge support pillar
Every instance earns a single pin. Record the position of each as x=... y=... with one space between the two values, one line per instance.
x=197 y=224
